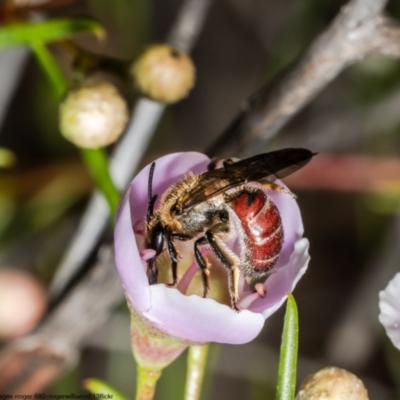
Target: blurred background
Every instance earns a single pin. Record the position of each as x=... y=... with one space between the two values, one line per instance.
x=349 y=197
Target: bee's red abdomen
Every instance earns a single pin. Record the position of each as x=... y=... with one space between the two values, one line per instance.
x=262 y=227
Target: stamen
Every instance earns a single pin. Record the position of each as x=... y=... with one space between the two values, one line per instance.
x=146 y=254
x=261 y=289
x=138 y=227
x=260 y=292
x=184 y=283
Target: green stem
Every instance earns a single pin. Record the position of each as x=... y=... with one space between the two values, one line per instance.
x=51 y=69
x=146 y=383
x=95 y=159
x=196 y=364
x=288 y=356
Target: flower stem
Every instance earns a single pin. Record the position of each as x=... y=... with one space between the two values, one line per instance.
x=95 y=159
x=51 y=69
x=196 y=362
x=146 y=382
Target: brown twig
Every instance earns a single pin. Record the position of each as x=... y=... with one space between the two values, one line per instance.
x=358 y=31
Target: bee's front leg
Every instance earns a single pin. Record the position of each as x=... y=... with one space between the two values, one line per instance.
x=203 y=264
x=152 y=270
x=173 y=255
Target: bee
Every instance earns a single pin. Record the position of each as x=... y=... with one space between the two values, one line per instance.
x=200 y=208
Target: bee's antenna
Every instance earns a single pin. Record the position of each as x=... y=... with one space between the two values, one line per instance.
x=152 y=199
x=150 y=184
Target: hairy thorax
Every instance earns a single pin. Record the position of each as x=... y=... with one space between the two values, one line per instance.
x=193 y=221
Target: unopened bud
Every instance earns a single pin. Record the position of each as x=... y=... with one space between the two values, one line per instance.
x=23 y=303
x=93 y=115
x=332 y=383
x=164 y=73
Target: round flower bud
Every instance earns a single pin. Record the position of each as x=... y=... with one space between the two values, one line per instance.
x=23 y=303
x=93 y=115
x=332 y=383
x=164 y=73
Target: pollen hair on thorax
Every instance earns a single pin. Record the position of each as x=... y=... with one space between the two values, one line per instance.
x=173 y=196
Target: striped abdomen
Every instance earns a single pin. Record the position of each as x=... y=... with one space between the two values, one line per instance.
x=261 y=233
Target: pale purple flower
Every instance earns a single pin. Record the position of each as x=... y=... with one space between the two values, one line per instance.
x=389 y=306
x=191 y=317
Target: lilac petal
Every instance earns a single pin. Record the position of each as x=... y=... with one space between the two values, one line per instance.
x=201 y=320
x=131 y=268
x=138 y=228
x=283 y=281
x=132 y=211
x=389 y=305
x=246 y=301
x=292 y=223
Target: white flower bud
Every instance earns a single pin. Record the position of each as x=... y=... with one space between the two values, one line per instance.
x=23 y=303
x=332 y=383
x=164 y=73
x=93 y=115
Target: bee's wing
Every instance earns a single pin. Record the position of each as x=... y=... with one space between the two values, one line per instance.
x=271 y=166
x=208 y=188
x=274 y=165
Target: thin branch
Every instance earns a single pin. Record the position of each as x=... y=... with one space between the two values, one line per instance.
x=127 y=153
x=189 y=23
x=354 y=340
x=344 y=129
x=358 y=31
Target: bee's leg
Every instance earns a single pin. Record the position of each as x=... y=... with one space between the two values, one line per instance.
x=203 y=264
x=152 y=271
x=227 y=258
x=173 y=255
x=275 y=187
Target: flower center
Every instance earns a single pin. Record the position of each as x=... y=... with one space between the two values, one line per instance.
x=190 y=280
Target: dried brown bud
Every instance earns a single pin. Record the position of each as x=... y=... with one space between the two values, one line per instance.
x=164 y=73
x=332 y=383
x=93 y=115
x=23 y=302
